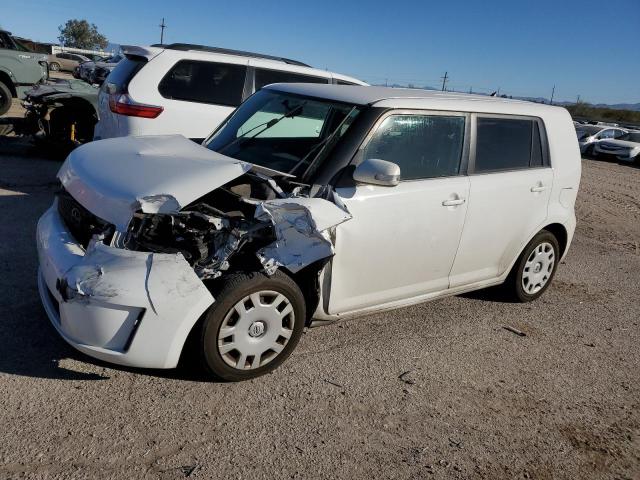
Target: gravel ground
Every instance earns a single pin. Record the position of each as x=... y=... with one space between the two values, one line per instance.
x=439 y=390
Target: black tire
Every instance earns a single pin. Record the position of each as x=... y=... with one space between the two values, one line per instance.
x=589 y=151
x=54 y=66
x=5 y=99
x=514 y=286
x=235 y=288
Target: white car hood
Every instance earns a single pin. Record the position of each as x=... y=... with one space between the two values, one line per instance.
x=116 y=177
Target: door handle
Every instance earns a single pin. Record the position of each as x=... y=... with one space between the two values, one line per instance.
x=453 y=203
x=538 y=188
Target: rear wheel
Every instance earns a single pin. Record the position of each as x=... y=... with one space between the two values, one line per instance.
x=5 y=99
x=253 y=326
x=54 y=67
x=533 y=271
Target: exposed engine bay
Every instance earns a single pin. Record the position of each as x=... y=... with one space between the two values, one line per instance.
x=251 y=222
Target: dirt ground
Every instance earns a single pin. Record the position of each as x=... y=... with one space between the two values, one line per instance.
x=439 y=390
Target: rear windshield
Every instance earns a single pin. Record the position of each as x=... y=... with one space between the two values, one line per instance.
x=119 y=79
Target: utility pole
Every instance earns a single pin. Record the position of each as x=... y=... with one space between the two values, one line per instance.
x=470 y=89
x=162 y=27
x=553 y=91
x=444 y=80
x=578 y=100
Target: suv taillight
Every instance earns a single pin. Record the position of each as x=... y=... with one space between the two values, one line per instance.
x=122 y=104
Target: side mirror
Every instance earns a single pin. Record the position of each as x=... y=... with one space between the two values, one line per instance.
x=377 y=172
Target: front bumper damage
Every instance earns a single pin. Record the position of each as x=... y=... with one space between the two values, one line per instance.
x=125 y=307
x=137 y=308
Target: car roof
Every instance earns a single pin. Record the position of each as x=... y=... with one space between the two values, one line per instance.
x=185 y=47
x=391 y=97
x=226 y=55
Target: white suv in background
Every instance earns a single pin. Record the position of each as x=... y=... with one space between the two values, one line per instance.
x=190 y=89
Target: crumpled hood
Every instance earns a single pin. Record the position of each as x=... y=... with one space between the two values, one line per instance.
x=116 y=177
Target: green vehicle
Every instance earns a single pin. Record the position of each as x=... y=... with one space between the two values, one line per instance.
x=20 y=69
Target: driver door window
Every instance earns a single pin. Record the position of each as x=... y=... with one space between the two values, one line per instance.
x=423 y=146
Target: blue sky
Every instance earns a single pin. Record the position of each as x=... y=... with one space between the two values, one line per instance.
x=587 y=48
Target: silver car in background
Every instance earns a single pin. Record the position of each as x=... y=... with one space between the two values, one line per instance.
x=65 y=62
x=625 y=148
x=589 y=135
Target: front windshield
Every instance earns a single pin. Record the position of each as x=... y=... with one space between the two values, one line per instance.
x=283 y=132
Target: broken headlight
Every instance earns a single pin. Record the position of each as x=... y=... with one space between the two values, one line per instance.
x=206 y=241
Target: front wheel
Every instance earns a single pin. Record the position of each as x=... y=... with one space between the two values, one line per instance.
x=5 y=99
x=533 y=271
x=253 y=326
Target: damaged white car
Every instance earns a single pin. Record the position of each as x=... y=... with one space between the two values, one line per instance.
x=309 y=204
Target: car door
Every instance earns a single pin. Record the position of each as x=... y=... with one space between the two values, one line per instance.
x=510 y=185
x=402 y=240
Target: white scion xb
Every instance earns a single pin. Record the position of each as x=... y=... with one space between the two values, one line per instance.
x=309 y=204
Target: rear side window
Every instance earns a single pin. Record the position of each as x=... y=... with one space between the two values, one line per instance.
x=267 y=77
x=423 y=146
x=121 y=75
x=507 y=144
x=204 y=82
x=344 y=82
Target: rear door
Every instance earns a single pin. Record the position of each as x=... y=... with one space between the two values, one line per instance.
x=510 y=185
x=402 y=241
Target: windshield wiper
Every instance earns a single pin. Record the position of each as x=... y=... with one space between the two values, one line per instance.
x=295 y=111
x=322 y=146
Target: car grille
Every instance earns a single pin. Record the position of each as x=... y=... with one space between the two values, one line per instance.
x=82 y=224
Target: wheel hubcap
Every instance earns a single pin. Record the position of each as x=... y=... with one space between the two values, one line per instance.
x=538 y=268
x=256 y=330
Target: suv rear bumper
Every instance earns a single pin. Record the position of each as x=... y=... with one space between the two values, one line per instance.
x=124 y=307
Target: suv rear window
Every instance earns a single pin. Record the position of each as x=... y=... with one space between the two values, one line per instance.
x=204 y=82
x=121 y=75
x=267 y=77
x=507 y=144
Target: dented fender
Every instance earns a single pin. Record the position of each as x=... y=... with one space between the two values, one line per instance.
x=302 y=228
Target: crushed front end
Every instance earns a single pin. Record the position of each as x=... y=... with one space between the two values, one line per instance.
x=125 y=278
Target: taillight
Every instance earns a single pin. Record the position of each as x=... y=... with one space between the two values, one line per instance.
x=123 y=104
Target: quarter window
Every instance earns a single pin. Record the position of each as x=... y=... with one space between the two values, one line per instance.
x=507 y=144
x=204 y=82
x=423 y=146
x=267 y=77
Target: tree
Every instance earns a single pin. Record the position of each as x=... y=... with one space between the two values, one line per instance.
x=81 y=34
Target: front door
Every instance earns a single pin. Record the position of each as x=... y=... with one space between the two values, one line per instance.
x=402 y=240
